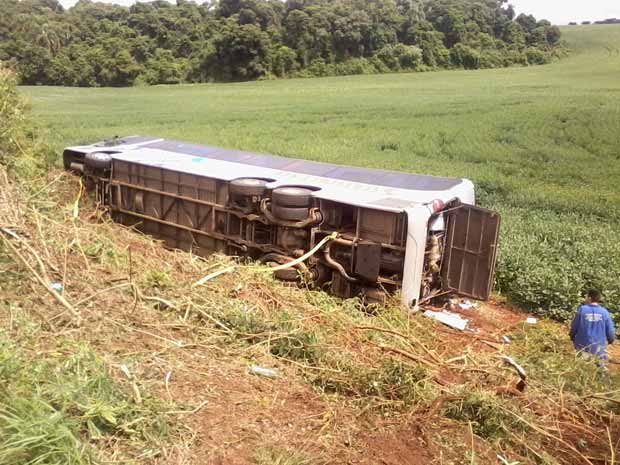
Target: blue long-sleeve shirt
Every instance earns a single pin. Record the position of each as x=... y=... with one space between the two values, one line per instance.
x=592 y=329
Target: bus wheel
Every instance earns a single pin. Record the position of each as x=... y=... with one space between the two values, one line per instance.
x=289 y=213
x=292 y=196
x=247 y=187
x=98 y=160
x=289 y=274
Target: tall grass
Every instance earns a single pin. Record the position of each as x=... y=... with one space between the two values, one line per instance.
x=54 y=408
x=58 y=399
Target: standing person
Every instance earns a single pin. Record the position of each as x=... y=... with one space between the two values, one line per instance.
x=592 y=328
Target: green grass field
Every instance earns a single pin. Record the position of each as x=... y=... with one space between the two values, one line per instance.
x=542 y=143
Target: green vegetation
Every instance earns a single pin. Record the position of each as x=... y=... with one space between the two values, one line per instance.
x=96 y=44
x=540 y=143
x=97 y=377
x=59 y=401
x=56 y=405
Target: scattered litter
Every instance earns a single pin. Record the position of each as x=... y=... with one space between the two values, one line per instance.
x=260 y=371
x=506 y=340
x=505 y=461
x=447 y=318
x=167 y=384
x=510 y=361
x=126 y=371
x=466 y=304
x=137 y=396
x=531 y=320
x=56 y=286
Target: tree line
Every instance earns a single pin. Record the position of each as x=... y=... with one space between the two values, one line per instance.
x=603 y=21
x=100 y=44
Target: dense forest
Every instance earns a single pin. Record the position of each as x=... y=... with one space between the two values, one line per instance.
x=100 y=44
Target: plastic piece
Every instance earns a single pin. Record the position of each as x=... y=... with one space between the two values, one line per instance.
x=262 y=371
x=449 y=319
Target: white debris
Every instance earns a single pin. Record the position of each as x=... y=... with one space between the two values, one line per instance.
x=466 y=305
x=57 y=287
x=261 y=371
x=125 y=369
x=531 y=321
x=448 y=318
x=505 y=461
x=506 y=339
x=510 y=361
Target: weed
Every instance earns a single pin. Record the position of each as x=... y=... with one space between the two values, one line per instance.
x=33 y=431
x=296 y=344
x=389 y=146
x=551 y=361
x=284 y=338
x=299 y=346
x=391 y=381
x=53 y=408
x=157 y=279
x=245 y=323
x=94 y=249
x=483 y=411
x=281 y=456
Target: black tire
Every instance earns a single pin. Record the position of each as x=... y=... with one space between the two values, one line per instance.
x=288 y=274
x=291 y=196
x=98 y=160
x=289 y=213
x=247 y=187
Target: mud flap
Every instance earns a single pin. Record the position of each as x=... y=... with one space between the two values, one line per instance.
x=470 y=250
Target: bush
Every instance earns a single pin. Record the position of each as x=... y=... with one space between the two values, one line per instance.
x=485 y=414
x=515 y=57
x=387 y=56
x=436 y=55
x=284 y=61
x=317 y=68
x=409 y=56
x=17 y=149
x=547 y=261
x=536 y=56
x=354 y=66
x=493 y=59
x=11 y=116
x=400 y=56
x=161 y=69
x=465 y=56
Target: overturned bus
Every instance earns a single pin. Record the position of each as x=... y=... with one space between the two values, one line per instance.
x=392 y=232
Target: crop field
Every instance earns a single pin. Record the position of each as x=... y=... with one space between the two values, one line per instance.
x=541 y=143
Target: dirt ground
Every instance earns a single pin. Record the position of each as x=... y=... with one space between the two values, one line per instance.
x=237 y=413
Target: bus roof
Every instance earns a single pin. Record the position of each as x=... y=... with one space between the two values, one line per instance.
x=390 y=190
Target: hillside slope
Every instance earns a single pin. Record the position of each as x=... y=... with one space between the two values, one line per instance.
x=136 y=365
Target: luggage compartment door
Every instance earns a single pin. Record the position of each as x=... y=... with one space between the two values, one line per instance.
x=470 y=248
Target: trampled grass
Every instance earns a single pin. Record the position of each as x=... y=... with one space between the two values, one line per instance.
x=542 y=144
